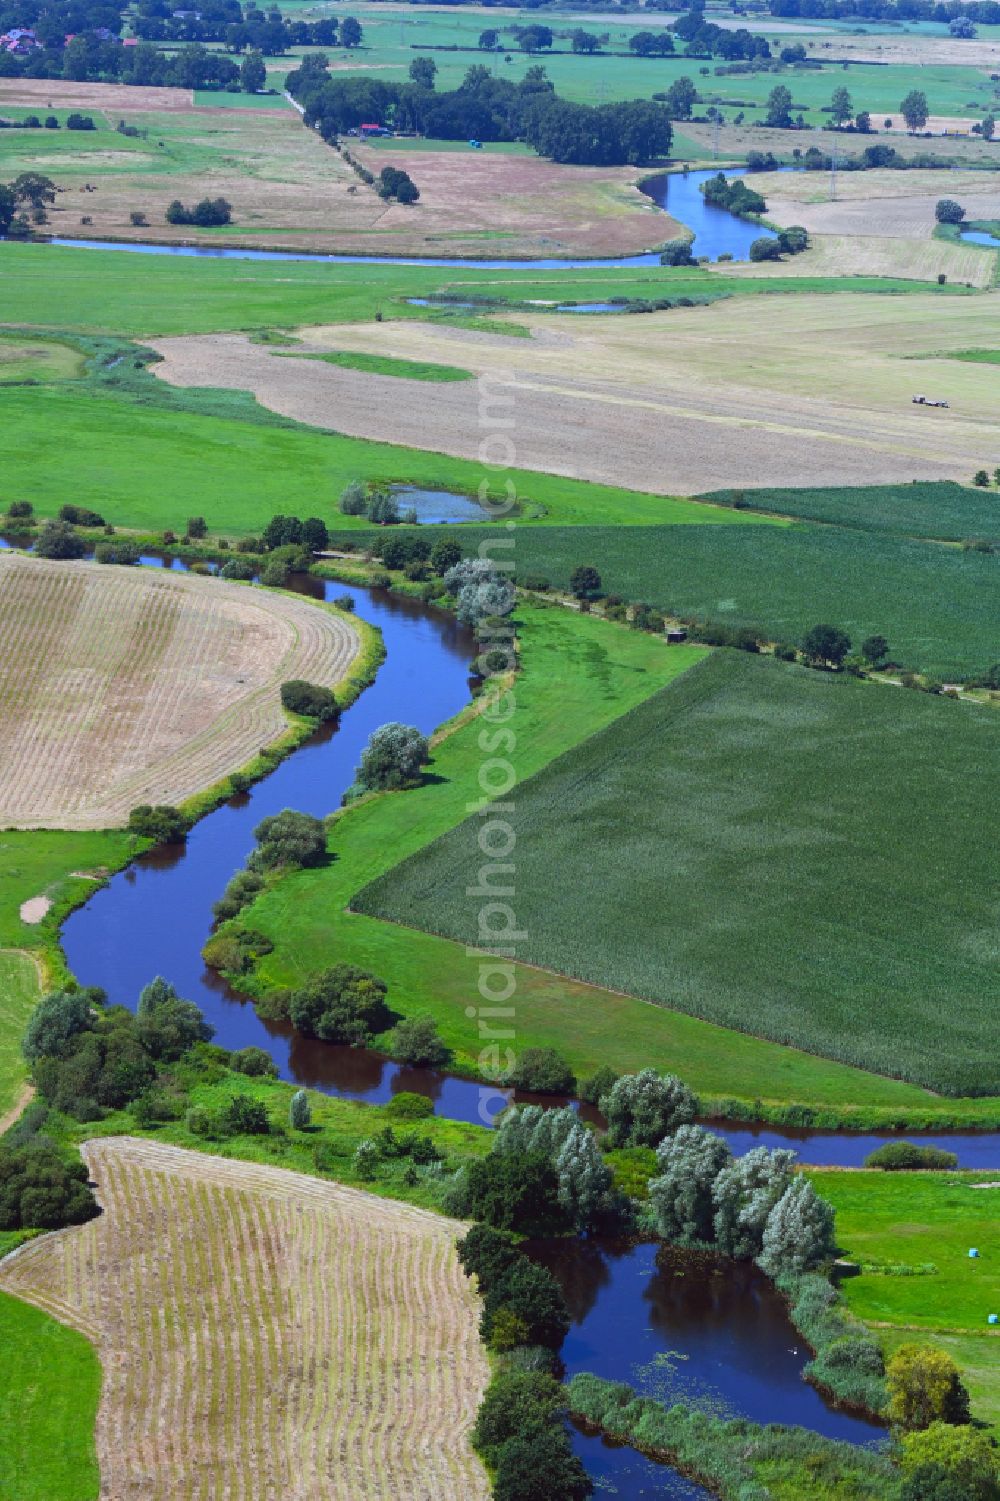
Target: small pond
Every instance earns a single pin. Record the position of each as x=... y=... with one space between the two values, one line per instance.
x=684 y=1327
x=437 y=506
x=979 y=237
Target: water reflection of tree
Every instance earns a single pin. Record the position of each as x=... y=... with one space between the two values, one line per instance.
x=582 y=1268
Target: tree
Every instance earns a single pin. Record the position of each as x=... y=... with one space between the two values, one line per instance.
x=765 y=248
x=874 y=649
x=826 y=646
x=863 y=122
x=798 y=1234
x=514 y=1192
x=41 y=1191
x=394 y=183
x=314 y=534
x=585 y=42
x=288 y=839
x=584 y=1177
x=253 y=74
x=600 y=1083
x=515 y=1403
x=542 y=1071
x=793 y=240
x=533 y=38
x=947 y=211
x=489 y=40
x=651 y=43
x=353 y=500
x=308 y=699
x=351 y=32
x=779 y=108
x=641 y=1109
x=681 y=1195
x=423 y=71
x=58 y=540
x=962 y=27
x=393 y=758
x=444 y=555
x=382 y=508
x=965 y=1456
x=914 y=110
x=56 y=1023
x=989 y=128
x=168 y=1026
x=256 y=1063
x=980 y=478
x=540 y=1466
x=841 y=107
x=159 y=821
x=677 y=253
x=344 y=1004
x=415 y=1041
x=924 y=1387
x=8 y=208
x=299 y=1112
x=744 y=1193
x=585 y=581
x=532 y=1295
x=34 y=189
x=680 y=99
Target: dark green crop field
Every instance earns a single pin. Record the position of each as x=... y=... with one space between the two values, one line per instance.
x=801 y=856
x=938 y=606
x=942 y=510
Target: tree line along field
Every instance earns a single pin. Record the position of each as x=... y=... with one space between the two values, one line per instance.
x=577 y=676
x=264 y=1333
x=20 y=989
x=123 y=686
x=782 y=852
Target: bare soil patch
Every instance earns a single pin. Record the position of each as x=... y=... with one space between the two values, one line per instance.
x=265 y=1334
x=122 y=686
x=61 y=93
x=797 y=391
x=34 y=909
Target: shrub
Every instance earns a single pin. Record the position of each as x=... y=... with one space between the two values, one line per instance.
x=515 y=1403
x=897 y=1155
x=201 y=1121
x=967 y=1458
x=445 y=554
x=407 y=1106
x=529 y=1293
x=80 y=516
x=487 y=1254
x=299 y=1112
x=344 y=1004
x=239 y=569
x=765 y=249
x=415 y=1041
x=165 y=824
x=288 y=839
x=255 y=1063
x=57 y=539
x=641 y=1109
x=600 y=1083
x=240 y=891
x=585 y=581
x=981 y=478
x=308 y=699
x=393 y=758
x=540 y=1466
x=353 y=499
x=924 y=1388
x=366 y=1160
x=20 y=509
x=122 y=552
x=542 y=1071
x=677 y=253
x=244 y=1116
x=345 y=602
x=947 y=211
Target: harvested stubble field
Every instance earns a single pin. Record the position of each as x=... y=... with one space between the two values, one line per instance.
x=265 y=1334
x=123 y=686
x=736 y=140
x=778 y=854
x=883 y=204
x=803 y=391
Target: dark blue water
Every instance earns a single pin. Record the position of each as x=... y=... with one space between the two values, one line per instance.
x=617 y=1470
x=435 y=506
x=690 y=1328
x=716 y=232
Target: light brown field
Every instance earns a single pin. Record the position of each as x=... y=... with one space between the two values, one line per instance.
x=288 y=189
x=787 y=391
x=264 y=1334
x=880 y=204
x=121 y=686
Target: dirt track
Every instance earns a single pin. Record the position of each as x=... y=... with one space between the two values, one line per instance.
x=793 y=391
x=264 y=1334
x=121 y=686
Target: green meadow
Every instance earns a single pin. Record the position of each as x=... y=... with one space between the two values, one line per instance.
x=385 y=364
x=771 y=849
x=48 y=1404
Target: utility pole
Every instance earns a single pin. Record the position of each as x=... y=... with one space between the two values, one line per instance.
x=833 y=175
x=715 y=138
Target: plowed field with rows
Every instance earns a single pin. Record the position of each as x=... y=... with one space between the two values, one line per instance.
x=264 y=1334
x=121 y=686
